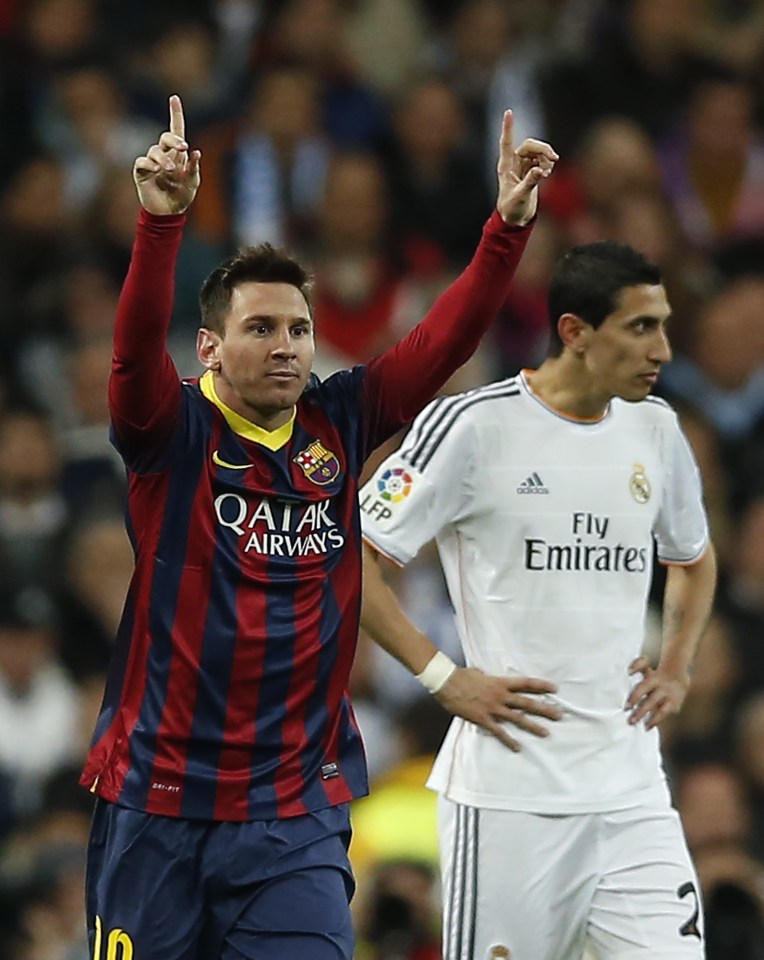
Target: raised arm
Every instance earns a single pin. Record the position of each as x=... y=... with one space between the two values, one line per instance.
x=687 y=603
x=463 y=691
x=144 y=391
x=404 y=378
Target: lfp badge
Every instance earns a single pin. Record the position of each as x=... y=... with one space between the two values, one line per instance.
x=318 y=464
x=394 y=485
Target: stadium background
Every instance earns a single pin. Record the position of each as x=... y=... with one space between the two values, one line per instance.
x=362 y=133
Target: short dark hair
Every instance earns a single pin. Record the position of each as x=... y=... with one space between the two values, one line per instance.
x=587 y=280
x=261 y=264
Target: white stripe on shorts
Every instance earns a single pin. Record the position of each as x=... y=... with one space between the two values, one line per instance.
x=460 y=910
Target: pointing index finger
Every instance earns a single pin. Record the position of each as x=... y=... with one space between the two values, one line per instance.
x=506 y=141
x=177 y=120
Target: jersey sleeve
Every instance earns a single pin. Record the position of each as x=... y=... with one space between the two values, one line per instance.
x=681 y=529
x=403 y=379
x=144 y=387
x=421 y=488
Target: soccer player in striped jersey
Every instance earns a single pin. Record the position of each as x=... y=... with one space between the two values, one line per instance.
x=547 y=494
x=226 y=750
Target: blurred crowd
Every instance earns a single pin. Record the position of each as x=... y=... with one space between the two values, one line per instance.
x=362 y=134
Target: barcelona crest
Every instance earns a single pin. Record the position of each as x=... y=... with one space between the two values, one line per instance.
x=318 y=464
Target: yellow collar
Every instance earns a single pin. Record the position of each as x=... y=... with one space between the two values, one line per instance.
x=272 y=439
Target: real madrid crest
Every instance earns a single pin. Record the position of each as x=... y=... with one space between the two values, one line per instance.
x=639 y=484
x=499 y=952
x=319 y=465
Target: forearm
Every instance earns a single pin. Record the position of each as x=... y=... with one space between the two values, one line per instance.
x=142 y=371
x=383 y=619
x=687 y=603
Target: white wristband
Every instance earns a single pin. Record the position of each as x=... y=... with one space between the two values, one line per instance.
x=437 y=672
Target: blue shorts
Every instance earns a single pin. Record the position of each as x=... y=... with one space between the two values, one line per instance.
x=160 y=888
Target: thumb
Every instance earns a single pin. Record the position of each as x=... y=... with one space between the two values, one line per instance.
x=639 y=665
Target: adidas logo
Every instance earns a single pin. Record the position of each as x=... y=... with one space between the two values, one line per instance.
x=533 y=484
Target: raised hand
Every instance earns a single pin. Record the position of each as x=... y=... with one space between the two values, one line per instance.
x=519 y=173
x=489 y=701
x=168 y=177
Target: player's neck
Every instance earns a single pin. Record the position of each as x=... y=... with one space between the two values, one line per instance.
x=266 y=419
x=563 y=384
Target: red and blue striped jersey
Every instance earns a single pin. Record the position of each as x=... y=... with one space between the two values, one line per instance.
x=227 y=695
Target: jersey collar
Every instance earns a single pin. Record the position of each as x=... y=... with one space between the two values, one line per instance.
x=272 y=439
x=562 y=414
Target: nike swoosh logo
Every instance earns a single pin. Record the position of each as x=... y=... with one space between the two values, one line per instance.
x=229 y=466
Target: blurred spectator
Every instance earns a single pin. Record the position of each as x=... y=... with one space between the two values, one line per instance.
x=641 y=60
x=522 y=327
x=723 y=375
x=84 y=122
x=178 y=52
x=437 y=191
x=33 y=512
x=82 y=310
x=729 y=863
x=400 y=918
x=34 y=236
x=109 y=222
x=98 y=565
x=615 y=157
x=708 y=709
x=704 y=785
x=93 y=473
x=362 y=300
x=746 y=594
x=484 y=57
x=734 y=923
x=371 y=712
x=36 y=697
x=398 y=819
x=313 y=34
x=377 y=27
x=42 y=874
x=749 y=742
x=713 y=163
x=58 y=32
x=733 y=33
x=264 y=173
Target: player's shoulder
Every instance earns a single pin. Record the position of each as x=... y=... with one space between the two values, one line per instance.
x=446 y=416
x=650 y=411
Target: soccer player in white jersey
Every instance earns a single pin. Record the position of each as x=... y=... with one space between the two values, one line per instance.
x=547 y=495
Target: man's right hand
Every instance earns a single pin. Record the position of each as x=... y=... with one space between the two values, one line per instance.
x=488 y=701
x=167 y=178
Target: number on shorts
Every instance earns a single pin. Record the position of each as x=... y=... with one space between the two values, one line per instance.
x=690 y=928
x=119 y=946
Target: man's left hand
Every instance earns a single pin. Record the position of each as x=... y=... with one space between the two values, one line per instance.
x=657 y=695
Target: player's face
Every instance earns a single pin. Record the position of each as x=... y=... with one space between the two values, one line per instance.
x=625 y=353
x=264 y=358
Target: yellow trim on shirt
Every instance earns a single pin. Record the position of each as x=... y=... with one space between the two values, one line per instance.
x=272 y=439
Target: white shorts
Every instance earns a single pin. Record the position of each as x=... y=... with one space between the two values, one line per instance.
x=526 y=886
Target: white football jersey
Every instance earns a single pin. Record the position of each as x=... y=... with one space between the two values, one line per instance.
x=546 y=527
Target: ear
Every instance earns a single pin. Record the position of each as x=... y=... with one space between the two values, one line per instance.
x=574 y=333
x=208 y=348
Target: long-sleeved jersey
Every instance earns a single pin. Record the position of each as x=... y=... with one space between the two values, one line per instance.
x=227 y=696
